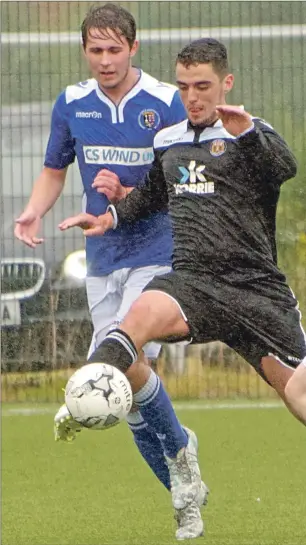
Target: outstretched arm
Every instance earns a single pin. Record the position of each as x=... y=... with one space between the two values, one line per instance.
x=149 y=197
x=263 y=150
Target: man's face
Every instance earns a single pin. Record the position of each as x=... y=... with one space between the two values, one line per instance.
x=201 y=90
x=108 y=57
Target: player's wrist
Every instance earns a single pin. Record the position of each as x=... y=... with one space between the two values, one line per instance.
x=246 y=130
x=33 y=211
x=123 y=192
x=112 y=216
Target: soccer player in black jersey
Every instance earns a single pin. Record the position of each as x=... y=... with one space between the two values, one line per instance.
x=219 y=173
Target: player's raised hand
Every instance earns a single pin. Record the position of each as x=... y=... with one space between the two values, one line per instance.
x=234 y=118
x=27 y=227
x=105 y=223
x=82 y=220
x=91 y=225
x=108 y=183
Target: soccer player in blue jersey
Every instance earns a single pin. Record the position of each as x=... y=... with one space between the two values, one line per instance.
x=108 y=123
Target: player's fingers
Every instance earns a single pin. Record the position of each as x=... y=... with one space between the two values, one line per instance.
x=103 y=175
x=108 y=174
x=75 y=221
x=105 y=181
x=66 y=224
x=107 y=184
x=23 y=237
x=227 y=108
x=109 y=193
x=105 y=172
x=37 y=240
x=114 y=178
x=222 y=113
x=28 y=241
x=70 y=225
x=98 y=181
x=94 y=231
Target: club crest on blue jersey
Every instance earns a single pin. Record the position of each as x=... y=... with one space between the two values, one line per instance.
x=149 y=119
x=217 y=147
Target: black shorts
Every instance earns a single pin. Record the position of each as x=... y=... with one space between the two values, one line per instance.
x=257 y=318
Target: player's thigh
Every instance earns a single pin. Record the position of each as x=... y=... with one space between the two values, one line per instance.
x=134 y=284
x=178 y=306
x=156 y=314
x=104 y=302
x=199 y=309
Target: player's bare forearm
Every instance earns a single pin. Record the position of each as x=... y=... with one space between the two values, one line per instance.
x=46 y=190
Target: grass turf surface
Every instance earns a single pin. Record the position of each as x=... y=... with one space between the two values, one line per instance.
x=98 y=491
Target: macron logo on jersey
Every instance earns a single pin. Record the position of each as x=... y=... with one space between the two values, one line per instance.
x=89 y=115
x=100 y=155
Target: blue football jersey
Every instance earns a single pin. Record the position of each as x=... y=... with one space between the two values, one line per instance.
x=86 y=124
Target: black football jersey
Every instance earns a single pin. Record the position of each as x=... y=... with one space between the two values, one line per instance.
x=221 y=192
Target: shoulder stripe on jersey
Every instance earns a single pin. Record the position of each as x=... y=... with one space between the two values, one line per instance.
x=158 y=89
x=262 y=122
x=180 y=134
x=80 y=90
x=173 y=134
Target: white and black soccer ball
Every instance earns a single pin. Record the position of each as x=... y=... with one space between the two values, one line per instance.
x=98 y=396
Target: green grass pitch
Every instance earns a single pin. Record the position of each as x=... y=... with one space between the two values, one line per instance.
x=98 y=491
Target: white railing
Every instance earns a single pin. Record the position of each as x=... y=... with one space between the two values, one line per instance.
x=164 y=34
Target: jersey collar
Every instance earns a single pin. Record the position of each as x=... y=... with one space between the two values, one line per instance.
x=202 y=127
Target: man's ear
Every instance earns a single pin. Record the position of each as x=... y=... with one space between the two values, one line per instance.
x=228 y=83
x=134 y=48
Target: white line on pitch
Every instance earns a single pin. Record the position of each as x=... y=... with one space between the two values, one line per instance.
x=34 y=411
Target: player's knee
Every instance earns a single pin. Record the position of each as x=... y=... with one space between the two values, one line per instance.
x=142 y=313
x=154 y=316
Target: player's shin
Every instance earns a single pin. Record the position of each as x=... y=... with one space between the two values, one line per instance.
x=180 y=448
x=154 y=404
x=149 y=447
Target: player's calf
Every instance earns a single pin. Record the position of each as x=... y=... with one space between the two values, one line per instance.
x=290 y=384
x=295 y=392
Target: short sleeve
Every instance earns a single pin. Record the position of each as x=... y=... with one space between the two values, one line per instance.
x=60 y=150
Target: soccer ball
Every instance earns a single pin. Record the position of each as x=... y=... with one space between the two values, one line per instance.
x=98 y=396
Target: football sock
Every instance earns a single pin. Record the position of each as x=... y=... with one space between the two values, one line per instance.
x=156 y=409
x=116 y=349
x=154 y=403
x=149 y=447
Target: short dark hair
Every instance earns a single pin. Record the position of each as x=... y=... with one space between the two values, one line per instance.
x=204 y=51
x=110 y=16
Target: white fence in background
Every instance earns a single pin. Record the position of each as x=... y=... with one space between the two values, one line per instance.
x=164 y=34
